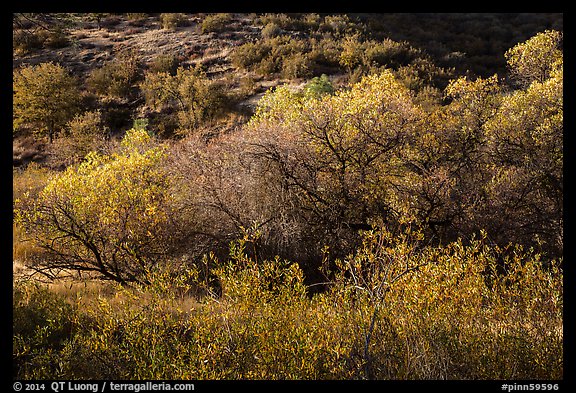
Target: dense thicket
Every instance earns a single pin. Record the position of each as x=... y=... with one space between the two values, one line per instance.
x=386 y=209
x=456 y=317
x=312 y=167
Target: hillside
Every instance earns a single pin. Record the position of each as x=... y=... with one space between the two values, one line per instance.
x=425 y=49
x=288 y=196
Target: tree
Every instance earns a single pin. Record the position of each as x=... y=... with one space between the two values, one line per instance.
x=318 y=86
x=535 y=59
x=526 y=147
x=45 y=98
x=338 y=156
x=190 y=93
x=449 y=160
x=111 y=215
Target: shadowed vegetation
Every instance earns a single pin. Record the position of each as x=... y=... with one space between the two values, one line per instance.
x=288 y=196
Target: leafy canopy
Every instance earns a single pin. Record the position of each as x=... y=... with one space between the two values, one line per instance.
x=110 y=215
x=45 y=96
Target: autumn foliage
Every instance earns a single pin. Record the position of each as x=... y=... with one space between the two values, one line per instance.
x=385 y=228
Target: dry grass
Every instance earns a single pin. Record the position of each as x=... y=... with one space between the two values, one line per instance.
x=94 y=46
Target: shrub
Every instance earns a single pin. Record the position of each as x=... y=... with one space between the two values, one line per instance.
x=85 y=133
x=27 y=183
x=116 y=77
x=339 y=24
x=109 y=21
x=24 y=41
x=249 y=54
x=397 y=308
x=278 y=54
x=352 y=53
x=190 y=93
x=535 y=59
x=42 y=323
x=45 y=98
x=164 y=63
x=371 y=123
x=325 y=54
x=319 y=86
x=56 y=39
x=296 y=66
x=270 y=30
x=36 y=30
x=171 y=21
x=136 y=18
x=214 y=23
x=109 y=216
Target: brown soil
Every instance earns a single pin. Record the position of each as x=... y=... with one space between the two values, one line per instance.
x=91 y=46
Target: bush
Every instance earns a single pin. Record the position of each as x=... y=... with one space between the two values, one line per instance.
x=339 y=24
x=319 y=86
x=535 y=59
x=109 y=21
x=45 y=98
x=194 y=98
x=117 y=77
x=278 y=54
x=24 y=41
x=164 y=63
x=443 y=313
x=84 y=133
x=171 y=21
x=271 y=30
x=123 y=200
x=42 y=324
x=136 y=18
x=56 y=39
x=27 y=183
x=215 y=23
x=249 y=54
x=296 y=66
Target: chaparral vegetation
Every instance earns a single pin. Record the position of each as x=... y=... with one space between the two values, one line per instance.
x=287 y=196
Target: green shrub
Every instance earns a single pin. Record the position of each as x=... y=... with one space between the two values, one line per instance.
x=215 y=23
x=45 y=98
x=171 y=21
x=117 y=77
x=270 y=30
x=319 y=86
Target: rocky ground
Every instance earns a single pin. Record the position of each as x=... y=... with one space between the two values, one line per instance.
x=92 y=46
